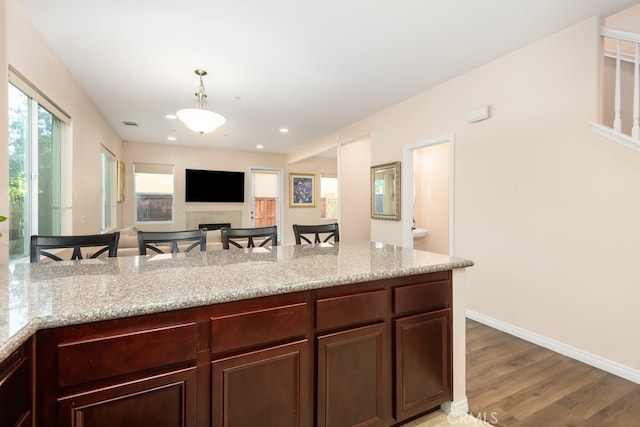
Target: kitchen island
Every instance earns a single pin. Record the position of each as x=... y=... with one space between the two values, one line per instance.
x=299 y=335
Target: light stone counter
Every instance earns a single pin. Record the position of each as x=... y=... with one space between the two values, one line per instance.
x=40 y=296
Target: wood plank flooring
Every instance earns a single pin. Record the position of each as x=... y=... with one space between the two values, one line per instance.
x=514 y=383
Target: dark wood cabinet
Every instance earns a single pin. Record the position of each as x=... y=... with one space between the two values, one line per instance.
x=267 y=387
x=16 y=387
x=166 y=400
x=352 y=356
x=260 y=363
x=352 y=380
x=373 y=353
x=136 y=371
x=423 y=376
x=423 y=362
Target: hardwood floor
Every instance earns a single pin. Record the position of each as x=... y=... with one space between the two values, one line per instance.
x=513 y=383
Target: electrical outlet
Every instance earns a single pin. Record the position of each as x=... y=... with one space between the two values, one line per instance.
x=83 y=220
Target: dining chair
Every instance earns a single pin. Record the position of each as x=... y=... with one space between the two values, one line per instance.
x=328 y=231
x=42 y=246
x=171 y=241
x=244 y=237
x=215 y=226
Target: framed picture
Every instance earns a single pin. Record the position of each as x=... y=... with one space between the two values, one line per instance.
x=302 y=190
x=119 y=181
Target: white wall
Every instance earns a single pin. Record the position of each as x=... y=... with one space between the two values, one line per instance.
x=547 y=209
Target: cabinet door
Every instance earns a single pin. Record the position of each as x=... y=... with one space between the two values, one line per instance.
x=352 y=377
x=423 y=362
x=15 y=388
x=267 y=387
x=159 y=401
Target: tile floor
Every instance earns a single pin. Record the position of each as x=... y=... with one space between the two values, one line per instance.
x=440 y=419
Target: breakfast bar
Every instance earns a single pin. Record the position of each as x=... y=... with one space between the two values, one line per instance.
x=298 y=335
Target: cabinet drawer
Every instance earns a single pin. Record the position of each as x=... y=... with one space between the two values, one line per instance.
x=351 y=309
x=158 y=400
x=422 y=296
x=94 y=359
x=253 y=328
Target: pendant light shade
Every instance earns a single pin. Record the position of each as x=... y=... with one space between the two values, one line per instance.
x=199 y=119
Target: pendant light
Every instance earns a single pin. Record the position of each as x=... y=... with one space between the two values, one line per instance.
x=200 y=119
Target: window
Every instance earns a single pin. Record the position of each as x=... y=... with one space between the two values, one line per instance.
x=154 y=192
x=107 y=196
x=328 y=197
x=35 y=164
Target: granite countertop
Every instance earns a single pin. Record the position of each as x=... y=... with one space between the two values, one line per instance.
x=46 y=295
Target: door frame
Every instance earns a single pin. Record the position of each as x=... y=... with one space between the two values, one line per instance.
x=279 y=202
x=408 y=187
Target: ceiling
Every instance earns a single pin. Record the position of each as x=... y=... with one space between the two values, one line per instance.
x=311 y=67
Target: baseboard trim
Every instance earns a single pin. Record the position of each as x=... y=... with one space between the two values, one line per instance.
x=456 y=409
x=569 y=351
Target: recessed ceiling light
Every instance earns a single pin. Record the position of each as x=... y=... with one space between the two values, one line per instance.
x=171 y=138
x=171 y=116
x=284 y=130
x=260 y=146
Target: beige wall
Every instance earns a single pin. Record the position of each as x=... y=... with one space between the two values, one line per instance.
x=431 y=203
x=32 y=57
x=202 y=158
x=190 y=158
x=354 y=192
x=547 y=209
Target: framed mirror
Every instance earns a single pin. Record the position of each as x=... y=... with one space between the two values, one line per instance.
x=385 y=191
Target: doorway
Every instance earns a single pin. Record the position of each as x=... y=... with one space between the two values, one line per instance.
x=266 y=198
x=428 y=183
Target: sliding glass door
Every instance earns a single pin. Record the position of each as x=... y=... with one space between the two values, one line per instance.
x=34 y=172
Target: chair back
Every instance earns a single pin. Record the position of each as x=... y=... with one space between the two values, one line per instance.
x=41 y=246
x=328 y=231
x=168 y=241
x=244 y=237
x=215 y=226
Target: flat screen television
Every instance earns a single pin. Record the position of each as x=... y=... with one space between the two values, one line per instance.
x=214 y=186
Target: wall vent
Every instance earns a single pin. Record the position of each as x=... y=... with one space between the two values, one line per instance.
x=132 y=124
